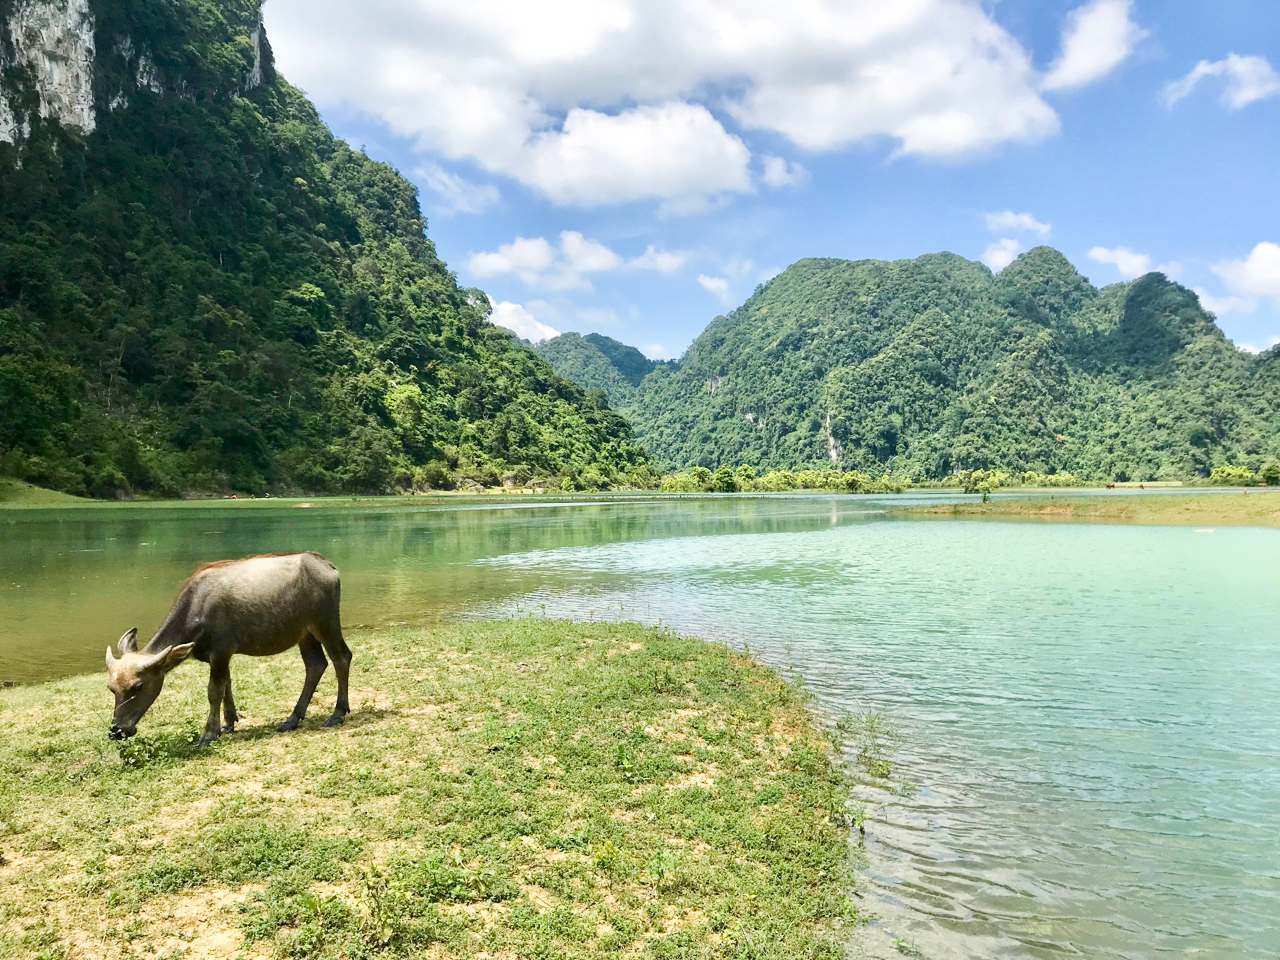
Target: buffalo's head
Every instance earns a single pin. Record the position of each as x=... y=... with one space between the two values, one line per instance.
x=136 y=680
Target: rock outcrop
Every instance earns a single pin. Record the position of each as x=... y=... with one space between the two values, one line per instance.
x=52 y=43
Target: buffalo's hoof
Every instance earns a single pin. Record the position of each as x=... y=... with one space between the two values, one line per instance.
x=288 y=725
x=207 y=739
x=335 y=720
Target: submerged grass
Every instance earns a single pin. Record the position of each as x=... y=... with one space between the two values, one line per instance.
x=1248 y=508
x=520 y=789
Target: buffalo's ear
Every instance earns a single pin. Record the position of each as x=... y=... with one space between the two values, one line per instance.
x=175 y=655
x=129 y=641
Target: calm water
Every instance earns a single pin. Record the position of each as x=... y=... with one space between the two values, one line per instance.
x=1093 y=712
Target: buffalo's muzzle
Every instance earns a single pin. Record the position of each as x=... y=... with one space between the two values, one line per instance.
x=118 y=733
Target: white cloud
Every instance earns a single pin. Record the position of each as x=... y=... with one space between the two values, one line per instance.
x=458 y=195
x=718 y=286
x=519 y=320
x=1131 y=265
x=593 y=102
x=1250 y=348
x=676 y=152
x=656 y=351
x=1007 y=221
x=587 y=256
x=1001 y=253
x=1221 y=305
x=1097 y=38
x=543 y=266
x=531 y=260
x=1246 y=79
x=781 y=173
x=1258 y=275
x=663 y=261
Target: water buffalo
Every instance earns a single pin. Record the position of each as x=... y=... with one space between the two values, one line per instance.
x=259 y=606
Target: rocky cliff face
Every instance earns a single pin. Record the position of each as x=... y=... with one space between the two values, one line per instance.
x=51 y=47
x=48 y=56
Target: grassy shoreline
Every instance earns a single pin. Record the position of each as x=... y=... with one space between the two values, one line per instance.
x=527 y=788
x=1246 y=508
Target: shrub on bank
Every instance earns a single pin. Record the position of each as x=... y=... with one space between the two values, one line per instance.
x=726 y=479
x=1233 y=476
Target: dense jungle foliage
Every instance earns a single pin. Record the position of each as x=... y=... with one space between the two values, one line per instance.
x=924 y=368
x=598 y=363
x=212 y=293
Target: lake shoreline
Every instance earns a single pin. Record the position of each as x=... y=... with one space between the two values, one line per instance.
x=515 y=787
x=1248 y=508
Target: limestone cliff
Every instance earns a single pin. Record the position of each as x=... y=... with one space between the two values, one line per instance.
x=50 y=64
x=49 y=44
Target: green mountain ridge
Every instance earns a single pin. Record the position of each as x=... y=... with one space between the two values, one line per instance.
x=928 y=366
x=201 y=289
x=598 y=363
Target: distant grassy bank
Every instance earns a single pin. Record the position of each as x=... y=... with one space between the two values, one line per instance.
x=16 y=493
x=1250 y=508
x=519 y=789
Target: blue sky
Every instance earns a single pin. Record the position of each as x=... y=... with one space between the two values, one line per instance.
x=636 y=167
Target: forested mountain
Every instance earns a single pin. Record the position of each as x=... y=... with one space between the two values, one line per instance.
x=929 y=366
x=200 y=288
x=598 y=362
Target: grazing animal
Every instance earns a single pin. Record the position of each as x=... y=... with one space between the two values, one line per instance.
x=260 y=606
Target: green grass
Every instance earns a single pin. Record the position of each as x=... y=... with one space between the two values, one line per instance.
x=521 y=789
x=16 y=493
x=1244 y=508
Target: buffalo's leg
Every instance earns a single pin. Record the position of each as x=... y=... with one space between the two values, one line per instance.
x=219 y=685
x=330 y=634
x=229 y=706
x=314 y=660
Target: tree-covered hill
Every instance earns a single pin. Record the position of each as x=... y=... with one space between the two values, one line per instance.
x=598 y=362
x=201 y=289
x=929 y=366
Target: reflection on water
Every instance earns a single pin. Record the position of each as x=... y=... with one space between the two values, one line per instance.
x=1094 y=710
x=73 y=580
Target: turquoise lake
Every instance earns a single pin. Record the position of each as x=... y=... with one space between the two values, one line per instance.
x=1091 y=713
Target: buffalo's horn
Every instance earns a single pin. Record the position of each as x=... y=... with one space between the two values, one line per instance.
x=128 y=641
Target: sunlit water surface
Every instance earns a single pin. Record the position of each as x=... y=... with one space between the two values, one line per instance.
x=1093 y=711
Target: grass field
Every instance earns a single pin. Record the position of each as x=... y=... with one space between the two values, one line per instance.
x=15 y=493
x=1247 y=508
x=520 y=789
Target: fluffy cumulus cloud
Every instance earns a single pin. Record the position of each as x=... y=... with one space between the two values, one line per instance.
x=1130 y=264
x=1257 y=275
x=1244 y=80
x=779 y=172
x=1221 y=305
x=656 y=351
x=1097 y=38
x=593 y=102
x=661 y=261
x=717 y=287
x=1001 y=253
x=1007 y=221
x=455 y=194
x=676 y=152
x=541 y=265
x=520 y=321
